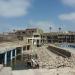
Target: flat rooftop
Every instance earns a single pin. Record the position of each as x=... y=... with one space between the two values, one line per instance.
x=59 y=33
x=7 y=46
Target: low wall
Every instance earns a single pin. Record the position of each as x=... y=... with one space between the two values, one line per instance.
x=59 y=51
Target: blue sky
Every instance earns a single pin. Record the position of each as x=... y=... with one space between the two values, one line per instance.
x=22 y=14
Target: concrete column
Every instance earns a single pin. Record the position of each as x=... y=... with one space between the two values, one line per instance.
x=11 y=56
x=22 y=50
x=40 y=42
x=32 y=41
x=15 y=53
x=21 y=53
x=5 y=58
x=26 y=47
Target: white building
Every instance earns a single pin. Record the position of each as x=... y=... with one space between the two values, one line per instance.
x=35 y=39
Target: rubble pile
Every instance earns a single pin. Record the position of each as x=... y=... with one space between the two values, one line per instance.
x=50 y=60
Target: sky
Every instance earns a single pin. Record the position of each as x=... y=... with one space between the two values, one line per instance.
x=22 y=14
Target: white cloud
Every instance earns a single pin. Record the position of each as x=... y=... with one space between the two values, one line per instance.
x=14 y=8
x=68 y=17
x=69 y=2
x=43 y=25
x=6 y=27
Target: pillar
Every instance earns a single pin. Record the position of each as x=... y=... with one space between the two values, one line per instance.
x=26 y=47
x=22 y=50
x=5 y=58
x=32 y=42
x=21 y=53
x=15 y=53
x=11 y=55
x=40 y=42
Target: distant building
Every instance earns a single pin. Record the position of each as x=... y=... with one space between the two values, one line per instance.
x=35 y=39
x=35 y=36
x=21 y=34
x=8 y=37
x=38 y=37
x=31 y=31
x=59 y=37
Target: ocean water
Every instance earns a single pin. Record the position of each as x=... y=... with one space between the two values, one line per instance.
x=64 y=45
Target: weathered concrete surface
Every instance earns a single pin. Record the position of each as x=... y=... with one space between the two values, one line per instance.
x=1 y=66
x=7 y=46
x=6 y=71
x=61 y=71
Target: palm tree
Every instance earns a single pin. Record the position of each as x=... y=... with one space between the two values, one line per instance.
x=59 y=29
x=14 y=30
x=50 y=28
